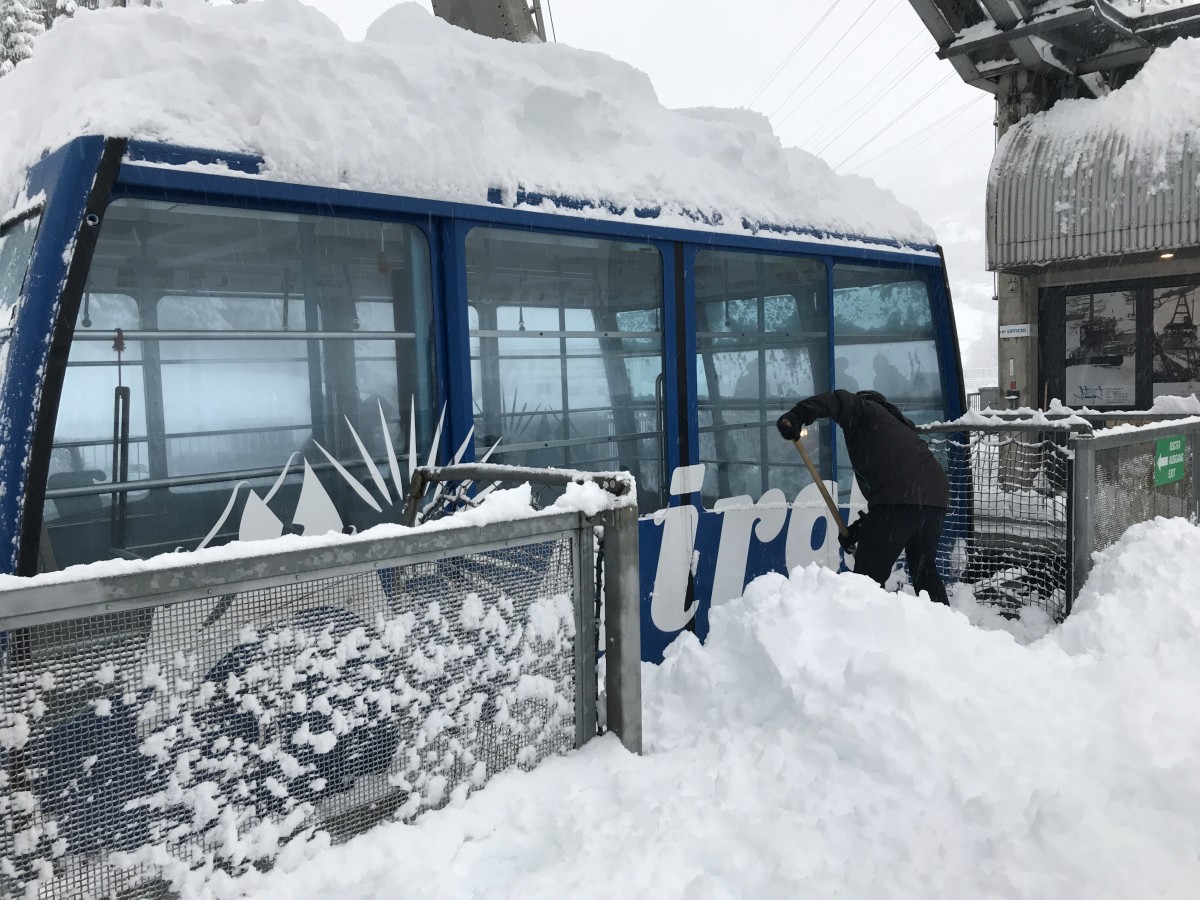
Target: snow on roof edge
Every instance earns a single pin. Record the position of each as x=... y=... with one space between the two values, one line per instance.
x=211 y=161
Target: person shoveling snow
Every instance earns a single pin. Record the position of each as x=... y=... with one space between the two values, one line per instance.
x=905 y=487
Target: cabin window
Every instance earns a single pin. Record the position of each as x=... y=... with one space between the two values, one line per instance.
x=566 y=353
x=16 y=245
x=763 y=342
x=240 y=345
x=884 y=340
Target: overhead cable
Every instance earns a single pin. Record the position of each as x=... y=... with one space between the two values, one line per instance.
x=817 y=66
x=878 y=76
x=910 y=66
x=896 y=119
x=835 y=69
x=933 y=128
x=787 y=59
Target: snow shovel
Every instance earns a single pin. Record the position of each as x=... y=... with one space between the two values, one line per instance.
x=812 y=470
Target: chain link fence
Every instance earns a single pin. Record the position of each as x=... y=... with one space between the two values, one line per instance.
x=1033 y=499
x=1007 y=531
x=164 y=729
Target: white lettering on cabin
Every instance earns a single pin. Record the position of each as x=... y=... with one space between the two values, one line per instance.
x=669 y=609
x=742 y=516
x=809 y=509
x=743 y=520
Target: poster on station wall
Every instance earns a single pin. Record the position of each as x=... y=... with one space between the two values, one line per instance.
x=1176 y=363
x=1101 y=360
x=1101 y=363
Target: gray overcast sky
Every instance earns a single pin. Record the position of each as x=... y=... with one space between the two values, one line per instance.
x=864 y=92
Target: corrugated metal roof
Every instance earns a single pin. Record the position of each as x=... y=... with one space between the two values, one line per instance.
x=1069 y=194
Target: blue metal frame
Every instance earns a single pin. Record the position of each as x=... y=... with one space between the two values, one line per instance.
x=282 y=196
x=66 y=177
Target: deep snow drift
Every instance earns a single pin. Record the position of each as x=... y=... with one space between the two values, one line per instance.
x=419 y=108
x=834 y=740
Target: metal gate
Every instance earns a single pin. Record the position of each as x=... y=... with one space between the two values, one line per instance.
x=1032 y=500
x=170 y=726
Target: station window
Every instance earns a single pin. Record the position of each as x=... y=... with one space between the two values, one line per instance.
x=884 y=340
x=763 y=342
x=566 y=353
x=242 y=344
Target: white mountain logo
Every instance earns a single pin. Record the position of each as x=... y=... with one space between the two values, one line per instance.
x=315 y=512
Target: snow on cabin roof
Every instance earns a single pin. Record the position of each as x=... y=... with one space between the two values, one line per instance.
x=1106 y=176
x=419 y=108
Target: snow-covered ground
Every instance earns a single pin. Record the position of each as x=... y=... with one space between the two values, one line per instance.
x=834 y=740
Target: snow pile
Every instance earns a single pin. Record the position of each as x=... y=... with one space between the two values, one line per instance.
x=1189 y=405
x=1155 y=115
x=419 y=108
x=834 y=740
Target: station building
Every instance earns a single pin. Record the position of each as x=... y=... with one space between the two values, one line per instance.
x=1093 y=199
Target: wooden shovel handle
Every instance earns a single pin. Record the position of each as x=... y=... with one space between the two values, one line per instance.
x=816 y=477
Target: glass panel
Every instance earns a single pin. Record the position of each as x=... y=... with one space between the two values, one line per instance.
x=253 y=343
x=1101 y=358
x=884 y=340
x=16 y=245
x=763 y=342
x=1176 y=363
x=566 y=353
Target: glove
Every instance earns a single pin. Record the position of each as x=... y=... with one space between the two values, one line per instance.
x=792 y=422
x=789 y=427
x=849 y=540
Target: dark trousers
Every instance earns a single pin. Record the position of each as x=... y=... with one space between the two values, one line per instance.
x=916 y=530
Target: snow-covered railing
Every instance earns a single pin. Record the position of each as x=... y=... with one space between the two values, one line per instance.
x=1035 y=494
x=165 y=725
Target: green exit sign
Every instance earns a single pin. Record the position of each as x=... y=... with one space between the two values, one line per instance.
x=1170 y=458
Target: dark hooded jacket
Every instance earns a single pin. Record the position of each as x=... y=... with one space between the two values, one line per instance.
x=891 y=461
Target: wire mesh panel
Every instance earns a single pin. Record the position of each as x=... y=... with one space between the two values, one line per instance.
x=1007 y=530
x=1126 y=491
x=149 y=750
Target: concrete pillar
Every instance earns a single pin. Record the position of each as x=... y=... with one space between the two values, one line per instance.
x=1017 y=305
x=1020 y=94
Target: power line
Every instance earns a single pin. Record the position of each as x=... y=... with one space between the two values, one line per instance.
x=876 y=77
x=934 y=127
x=833 y=47
x=962 y=137
x=787 y=59
x=907 y=68
x=897 y=118
x=990 y=122
x=550 y=13
x=835 y=69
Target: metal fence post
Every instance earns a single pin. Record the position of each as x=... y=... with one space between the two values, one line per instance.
x=1083 y=511
x=1193 y=437
x=623 y=625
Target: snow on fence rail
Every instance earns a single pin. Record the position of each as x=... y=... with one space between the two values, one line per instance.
x=166 y=729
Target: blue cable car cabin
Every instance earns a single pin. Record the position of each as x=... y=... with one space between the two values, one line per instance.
x=193 y=355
